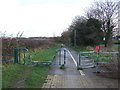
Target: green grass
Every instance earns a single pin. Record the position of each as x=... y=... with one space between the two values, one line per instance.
x=114 y=47
x=80 y=68
x=35 y=79
x=11 y=74
x=45 y=55
x=79 y=48
x=36 y=74
x=116 y=41
x=62 y=66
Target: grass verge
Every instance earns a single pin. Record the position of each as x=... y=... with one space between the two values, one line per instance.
x=36 y=74
x=78 y=48
x=45 y=55
x=11 y=74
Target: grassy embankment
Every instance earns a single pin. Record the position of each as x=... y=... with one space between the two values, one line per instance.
x=34 y=75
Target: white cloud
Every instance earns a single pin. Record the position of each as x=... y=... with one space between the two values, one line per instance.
x=37 y=19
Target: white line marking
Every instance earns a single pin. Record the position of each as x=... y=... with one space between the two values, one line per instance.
x=81 y=72
x=72 y=58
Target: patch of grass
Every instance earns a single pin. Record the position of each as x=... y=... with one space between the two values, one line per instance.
x=102 y=45
x=62 y=66
x=11 y=74
x=45 y=55
x=37 y=76
x=114 y=47
x=39 y=73
x=116 y=41
x=80 y=68
x=79 y=48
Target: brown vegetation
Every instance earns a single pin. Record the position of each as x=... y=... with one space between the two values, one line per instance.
x=33 y=45
x=25 y=43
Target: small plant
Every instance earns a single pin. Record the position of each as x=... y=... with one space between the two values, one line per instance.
x=94 y=67
x=62 y=66
x=79 y=68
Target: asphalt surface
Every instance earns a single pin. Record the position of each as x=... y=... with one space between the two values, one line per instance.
x=70 y=77
x=70 y=67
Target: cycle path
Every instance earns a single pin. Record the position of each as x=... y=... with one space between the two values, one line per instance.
x=70 y=77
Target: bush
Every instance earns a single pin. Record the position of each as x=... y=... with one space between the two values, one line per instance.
x=33 y=45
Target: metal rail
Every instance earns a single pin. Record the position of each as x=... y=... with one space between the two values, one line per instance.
x=93 y=58
x=16 y=53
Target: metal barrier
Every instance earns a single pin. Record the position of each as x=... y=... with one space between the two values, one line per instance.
x=42 y=62
x=62 y=52
x=20 y=55
x=85 y=59
x=92 y=58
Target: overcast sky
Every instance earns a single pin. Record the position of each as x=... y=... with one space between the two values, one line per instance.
x=39 y=17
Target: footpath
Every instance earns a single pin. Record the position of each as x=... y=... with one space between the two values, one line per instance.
x=70 y=77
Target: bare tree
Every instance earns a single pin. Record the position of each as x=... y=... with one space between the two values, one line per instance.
x=106 y=11
x=65 y=36
x=119 y=18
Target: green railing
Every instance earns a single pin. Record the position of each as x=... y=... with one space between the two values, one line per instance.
x=62 y=56
x=94 y=58
x=17 y=55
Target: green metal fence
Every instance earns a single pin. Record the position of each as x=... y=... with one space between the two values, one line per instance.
x=92 y=58
x=62 y=52
x=16 y=55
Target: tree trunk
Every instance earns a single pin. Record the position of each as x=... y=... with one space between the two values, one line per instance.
x=108 y=37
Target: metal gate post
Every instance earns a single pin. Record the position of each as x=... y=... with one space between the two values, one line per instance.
x=59 y=53
x=97 y=59
x=16 y=55
x=64 y=56
x=92 y=56
x=79 y=61
x=24 y=56
x=19 y=59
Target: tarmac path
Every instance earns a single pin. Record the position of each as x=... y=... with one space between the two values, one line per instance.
x=70 y=77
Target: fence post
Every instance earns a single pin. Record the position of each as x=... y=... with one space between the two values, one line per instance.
x=24 y=56
x=79 y=61
x=19 y=59
x=92 y=56
x=16 y=55
x=64 y=56
x=59 y=54
x=97 y=58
